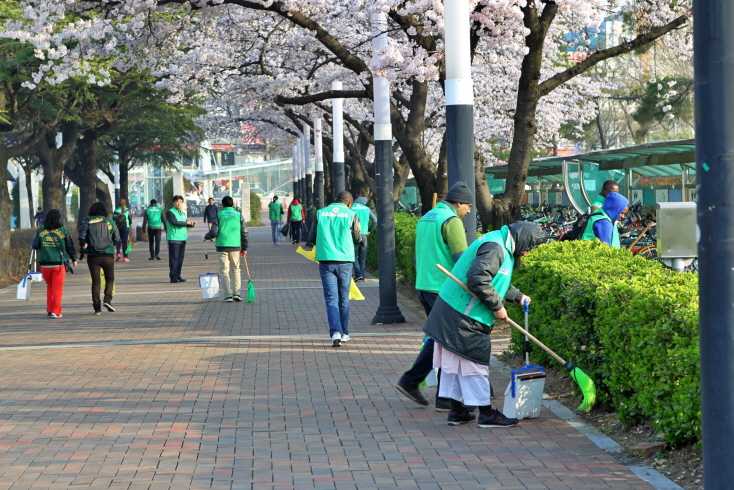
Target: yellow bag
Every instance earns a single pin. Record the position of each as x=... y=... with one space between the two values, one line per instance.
x=101 y=275
x=354 y=292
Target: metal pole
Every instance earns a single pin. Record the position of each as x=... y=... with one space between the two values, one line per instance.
x=337 y=108
x=460 y=104
x=318 y=150
x=714 y=76
x=306 y=138
x=116 y=170
x=388 y=311
x=294 y=163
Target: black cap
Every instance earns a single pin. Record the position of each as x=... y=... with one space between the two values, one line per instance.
x=460 y=193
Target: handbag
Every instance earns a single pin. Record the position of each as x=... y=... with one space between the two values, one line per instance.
x=285 y=229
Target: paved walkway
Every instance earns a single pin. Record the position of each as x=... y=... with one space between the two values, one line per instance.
x=173 y=391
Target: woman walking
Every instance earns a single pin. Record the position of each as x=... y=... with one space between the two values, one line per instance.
x=124 y=222
x=54 y=247
x=295 y=218
x=98 y=236
x=275 y=209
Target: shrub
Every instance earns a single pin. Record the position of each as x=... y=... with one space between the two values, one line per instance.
x=168 y=192
x=627 y=322
x=254 y=210
x=404 y=246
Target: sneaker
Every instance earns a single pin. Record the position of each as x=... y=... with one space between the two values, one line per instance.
x=346 y=338
x=413 y=393
x=496 y=419
x=151 y=258
x=237 y=297
x=48 y=314
x=126 y=259
x=443 y=405
x=109 y=307
x=360 y=278
x=98 y=311
x=228 y=299
x=181 y=279
x=118 y=257
x=464 y=417
x=336 y=339
x=54 y=315
x=157 y=258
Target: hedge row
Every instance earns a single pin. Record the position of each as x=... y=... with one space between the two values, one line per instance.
x=404 y=246
x=629 y=323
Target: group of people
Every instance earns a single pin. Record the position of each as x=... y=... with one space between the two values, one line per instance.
x=296 y=217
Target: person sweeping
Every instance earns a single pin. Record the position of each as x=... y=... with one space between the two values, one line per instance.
x=461 y=321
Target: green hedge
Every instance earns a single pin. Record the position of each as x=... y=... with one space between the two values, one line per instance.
x=254 y=210
x=627 y=322
x=404 y=246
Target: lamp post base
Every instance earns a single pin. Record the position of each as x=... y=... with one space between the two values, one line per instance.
x=387 y=315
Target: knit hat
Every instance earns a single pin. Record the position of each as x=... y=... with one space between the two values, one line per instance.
x=460 y=193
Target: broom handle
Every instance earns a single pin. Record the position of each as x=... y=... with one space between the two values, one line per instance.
x=522 y=330
x=247 y=267
x=649 y=225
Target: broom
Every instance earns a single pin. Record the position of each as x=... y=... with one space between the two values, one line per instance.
x=586 y=384
x=250 y=286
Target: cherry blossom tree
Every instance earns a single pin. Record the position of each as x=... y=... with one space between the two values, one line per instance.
x=289 y=51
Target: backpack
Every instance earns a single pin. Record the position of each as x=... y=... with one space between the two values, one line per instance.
x=577 y=231
x=98 y=236
x=121 y=222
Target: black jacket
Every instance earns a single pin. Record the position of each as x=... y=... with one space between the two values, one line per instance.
x=210 y=213
x=465 y=336
x=244 y=237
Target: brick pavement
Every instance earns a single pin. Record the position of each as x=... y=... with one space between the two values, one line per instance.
x=274 y=408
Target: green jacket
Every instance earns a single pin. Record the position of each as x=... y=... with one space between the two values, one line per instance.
x=276 y=210
x=51 y=244
x=597 y=215
x=363 y=214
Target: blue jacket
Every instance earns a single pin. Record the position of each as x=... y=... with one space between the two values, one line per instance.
x=614 y=204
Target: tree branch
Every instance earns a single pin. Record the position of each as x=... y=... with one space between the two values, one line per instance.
x=331 y=94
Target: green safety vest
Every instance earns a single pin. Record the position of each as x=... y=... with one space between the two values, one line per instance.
x=154 y=214
x=297 y=212
x=431 y=249
x=589 y=230
x=275 y=210
x=334 y=233
x=363 y=214
x=230 y=228
x=178 y=233
x=463 y=302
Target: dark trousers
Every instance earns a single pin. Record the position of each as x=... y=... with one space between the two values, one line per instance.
x=360 y=257
x=176 y=252
x=107 y=264
x=296 y=230
x=154 y=241
x=424 y=362
x=124 y=234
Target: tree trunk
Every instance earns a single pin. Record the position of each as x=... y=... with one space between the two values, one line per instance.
x=53 y=160
x=124 y=178
x=483 y=197
x=401 y=170
x=87 y=175
x=102 y=193
x=442 y=171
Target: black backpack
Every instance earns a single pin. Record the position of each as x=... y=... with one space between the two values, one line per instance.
x=121 y=222
x=577 y=231
x=98 y=235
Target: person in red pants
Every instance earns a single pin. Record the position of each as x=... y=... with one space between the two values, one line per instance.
x=54 y=246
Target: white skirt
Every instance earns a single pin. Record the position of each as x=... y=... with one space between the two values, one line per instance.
x=462 y=379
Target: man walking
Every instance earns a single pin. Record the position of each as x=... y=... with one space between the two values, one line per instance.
x=210 y=213
x=439 y=239
x=153 y=224
x=178 y=233
x=606 y=188
x=275 y=211
x=335 y=232
x=230 y=230
x=367 y=223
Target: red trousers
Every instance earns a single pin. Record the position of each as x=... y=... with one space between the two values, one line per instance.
x=54 y=277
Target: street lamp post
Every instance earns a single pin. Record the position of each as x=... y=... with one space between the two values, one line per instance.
x=714 y=78
x=459 y=90
x=319 y=154
x=306 y=139
x=337 y=126
x=388 y=310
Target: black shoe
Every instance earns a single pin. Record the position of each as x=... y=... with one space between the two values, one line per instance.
x=174 y=280
x=464 y=417
x=360 y=278
x=413 y=393
x=157 y=258
x=98 y=311
x=49 y=314
x=109 y=307
x=181 y=279
x=496 y=419
x=443 y=405
x=151 y=258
